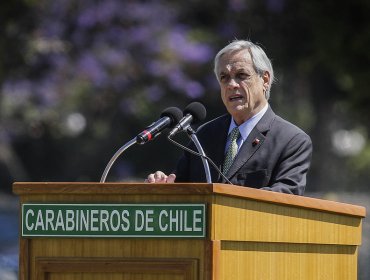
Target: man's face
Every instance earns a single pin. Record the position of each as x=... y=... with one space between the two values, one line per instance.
x=242 y=89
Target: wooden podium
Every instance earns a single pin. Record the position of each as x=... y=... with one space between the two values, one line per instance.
x=248 y=233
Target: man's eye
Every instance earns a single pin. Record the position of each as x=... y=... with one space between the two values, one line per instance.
x=243 y=76
x=223 y=78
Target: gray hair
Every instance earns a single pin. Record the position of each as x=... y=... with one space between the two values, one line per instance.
x=261 y=62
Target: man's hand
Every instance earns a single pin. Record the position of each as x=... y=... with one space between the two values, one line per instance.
x=160 y=177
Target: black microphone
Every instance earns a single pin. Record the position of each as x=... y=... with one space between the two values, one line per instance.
x=193 y=113
x=169 y=117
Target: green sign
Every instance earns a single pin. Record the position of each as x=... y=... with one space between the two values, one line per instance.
x=114 y=220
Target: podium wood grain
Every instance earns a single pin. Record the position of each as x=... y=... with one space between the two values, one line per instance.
x=251 y=234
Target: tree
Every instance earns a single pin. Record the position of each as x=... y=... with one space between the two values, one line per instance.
x=86 y=77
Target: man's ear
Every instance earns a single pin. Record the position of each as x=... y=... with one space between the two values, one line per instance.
x=266 y=80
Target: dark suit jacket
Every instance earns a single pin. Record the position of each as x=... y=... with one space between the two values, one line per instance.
x=277 y=161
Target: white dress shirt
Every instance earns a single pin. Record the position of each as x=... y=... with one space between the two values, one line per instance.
x=246 y=127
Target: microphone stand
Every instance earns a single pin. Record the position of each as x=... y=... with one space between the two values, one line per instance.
x=200 y=155
x=115 y=156
x=194 y=138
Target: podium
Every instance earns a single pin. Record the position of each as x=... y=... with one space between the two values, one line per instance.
x=182 y=231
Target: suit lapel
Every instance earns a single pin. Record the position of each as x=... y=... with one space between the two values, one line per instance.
x=253 y=142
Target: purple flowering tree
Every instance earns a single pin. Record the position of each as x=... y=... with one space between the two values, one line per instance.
x=95 y=74
x=83 y=77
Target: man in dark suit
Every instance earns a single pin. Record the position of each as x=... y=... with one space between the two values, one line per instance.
x=253 y=146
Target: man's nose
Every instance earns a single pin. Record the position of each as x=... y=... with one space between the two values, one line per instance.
x=232 y=84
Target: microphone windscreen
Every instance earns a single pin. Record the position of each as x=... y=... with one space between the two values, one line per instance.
x=197 y=110
x=173 y=113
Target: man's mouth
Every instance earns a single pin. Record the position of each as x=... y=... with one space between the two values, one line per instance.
x=235 y=97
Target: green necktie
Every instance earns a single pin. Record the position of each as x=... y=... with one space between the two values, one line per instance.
x=232 y=149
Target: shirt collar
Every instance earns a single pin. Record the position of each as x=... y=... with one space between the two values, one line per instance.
x=246 y=127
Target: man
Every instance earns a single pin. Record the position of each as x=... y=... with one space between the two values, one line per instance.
x=263 y=151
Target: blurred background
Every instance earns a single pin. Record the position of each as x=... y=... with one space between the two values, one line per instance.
x=78 y=79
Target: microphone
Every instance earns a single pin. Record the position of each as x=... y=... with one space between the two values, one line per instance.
x=169 y=117
x=195 y=112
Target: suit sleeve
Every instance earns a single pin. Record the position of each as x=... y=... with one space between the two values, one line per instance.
x=182 y=169
x=289 y=174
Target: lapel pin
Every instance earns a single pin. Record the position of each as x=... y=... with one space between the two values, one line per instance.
x=255 y=142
